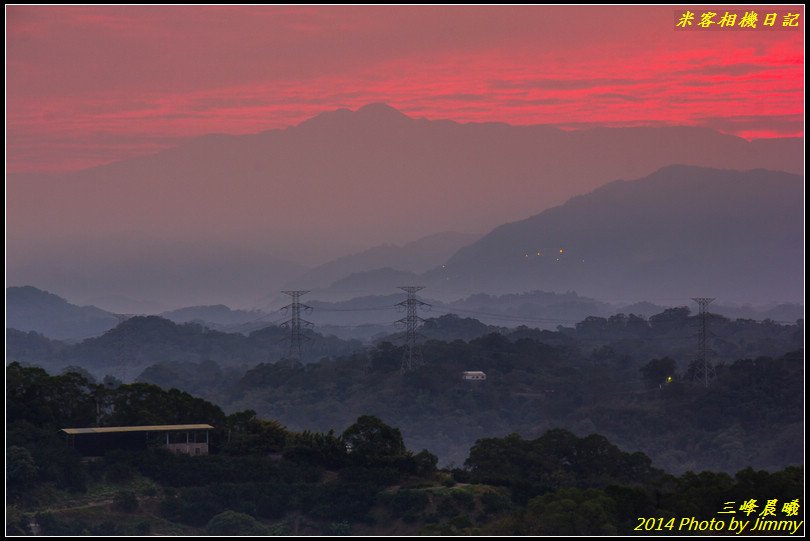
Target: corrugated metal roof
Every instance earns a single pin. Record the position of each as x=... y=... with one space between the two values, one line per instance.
x=151 y=428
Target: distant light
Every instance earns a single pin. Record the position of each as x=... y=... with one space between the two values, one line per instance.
x=669 y=379
x=444 y=266
x=538 y=252
x=525 y=255
x=558 y=259
x=561 y=250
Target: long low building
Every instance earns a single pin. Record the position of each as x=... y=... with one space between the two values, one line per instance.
x=180 y=439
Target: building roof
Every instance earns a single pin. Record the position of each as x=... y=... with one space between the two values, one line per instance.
x=150 y=428
x=473 y=373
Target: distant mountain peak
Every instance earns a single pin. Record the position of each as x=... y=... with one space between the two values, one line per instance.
x=375 y=114
x=32 y=309
x=381 y=110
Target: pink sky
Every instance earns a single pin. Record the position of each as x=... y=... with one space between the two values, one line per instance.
x=91 y=85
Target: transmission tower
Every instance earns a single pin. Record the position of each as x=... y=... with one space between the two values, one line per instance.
x=295 y=324
x=413 y=355
x=704 y=370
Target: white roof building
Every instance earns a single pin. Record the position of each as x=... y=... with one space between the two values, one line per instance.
x=473 y=375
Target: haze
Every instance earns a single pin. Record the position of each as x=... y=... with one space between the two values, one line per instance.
x=344 y=128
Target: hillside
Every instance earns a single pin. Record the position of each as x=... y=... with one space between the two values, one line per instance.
x=138 y=342
x=678 y=233
x=32 y=309
x=218 y=314
x=532 y=386
x=543 y=379
x=382 y=281
x=261 y=478
x=417 y=256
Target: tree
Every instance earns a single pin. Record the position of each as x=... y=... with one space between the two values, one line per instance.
x=371 y=441
x=425 y=462
x=21 y=470
x=571 y=511
x=658 y=372
x=670 y=319
x=233 y=523
x=257 y=436
x=326 y=450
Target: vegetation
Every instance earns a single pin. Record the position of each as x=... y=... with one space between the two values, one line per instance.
x=265 y=479
x=625 y=377
x=751 y=415
x=143 y=340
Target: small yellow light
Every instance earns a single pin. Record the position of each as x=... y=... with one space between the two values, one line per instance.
x=561 y=250
x=538 y=252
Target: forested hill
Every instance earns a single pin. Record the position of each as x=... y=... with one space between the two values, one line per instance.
x=143 y=340
x=264 y=479
x=140 y=342
x=605 y=375
x=751 y=415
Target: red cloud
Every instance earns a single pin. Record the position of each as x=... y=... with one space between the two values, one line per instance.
x=88 y=85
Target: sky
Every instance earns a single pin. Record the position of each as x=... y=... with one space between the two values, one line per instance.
x=88 y=85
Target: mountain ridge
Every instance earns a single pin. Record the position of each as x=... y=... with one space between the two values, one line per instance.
x=373 y=161
x=696 y=219
x=31 y=309
x=416 y=256
x=319 y=191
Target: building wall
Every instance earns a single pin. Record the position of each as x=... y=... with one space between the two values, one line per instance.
x=188 y=448
x=89 y=445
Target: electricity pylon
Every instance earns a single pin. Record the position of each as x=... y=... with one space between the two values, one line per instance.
x=413 y=354
x=295 y=324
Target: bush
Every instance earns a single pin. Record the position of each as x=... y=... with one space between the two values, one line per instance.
x=119 y=472
x=126 y=501
x=445 y=508
x=233 y=523
x=49 y=524
x=107 y=528
x=463 y=498
x=339 y=528
x=16 y=523
x=494 y=502
x=407 y=502
x=21 y=470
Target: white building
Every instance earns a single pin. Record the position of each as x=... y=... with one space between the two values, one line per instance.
x=474 y=375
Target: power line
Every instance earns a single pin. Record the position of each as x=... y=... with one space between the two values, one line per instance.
x=246 y=324
x=328 y=326
x=370 y=309
x=506 y=317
